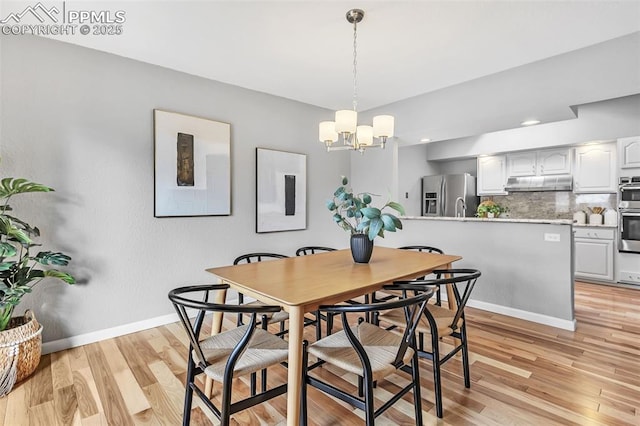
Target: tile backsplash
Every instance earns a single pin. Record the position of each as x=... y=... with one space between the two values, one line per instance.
x=551 y=204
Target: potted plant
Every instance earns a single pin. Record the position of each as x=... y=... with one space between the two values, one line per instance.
x=355 y=214
x=490 y=209
x=20 y=271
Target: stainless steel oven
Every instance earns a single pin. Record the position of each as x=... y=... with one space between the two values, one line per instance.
x=629 y=231
x=629 y=212
x=629 y=193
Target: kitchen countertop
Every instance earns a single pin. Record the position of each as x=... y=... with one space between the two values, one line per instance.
x=586 y=225
x=497 y=220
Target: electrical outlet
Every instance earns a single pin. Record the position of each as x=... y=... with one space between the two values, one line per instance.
x=552 y=237
x=406 y=195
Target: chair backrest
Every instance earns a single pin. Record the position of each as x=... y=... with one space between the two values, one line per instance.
x=413 y=306
x=304 y=251
x=455 y=278
x=197 y=297
x=257 y=257
x=427 y=249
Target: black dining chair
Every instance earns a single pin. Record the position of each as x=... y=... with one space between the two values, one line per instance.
x=227 y=355
x=370 y=352
x=439 y=321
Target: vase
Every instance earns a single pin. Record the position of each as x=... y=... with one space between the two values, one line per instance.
x=361 y=248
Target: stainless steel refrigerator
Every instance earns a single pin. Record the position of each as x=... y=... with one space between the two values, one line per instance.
x=449 y=195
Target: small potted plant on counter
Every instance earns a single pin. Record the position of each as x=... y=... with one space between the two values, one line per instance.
x=490 y=209
x=354 y=213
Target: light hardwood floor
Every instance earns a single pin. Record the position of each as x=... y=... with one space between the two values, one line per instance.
x=522 y=373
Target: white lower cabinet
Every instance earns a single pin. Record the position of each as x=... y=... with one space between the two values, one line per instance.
x=594 y=251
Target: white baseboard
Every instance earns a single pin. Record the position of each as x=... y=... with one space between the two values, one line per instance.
x=525 y=315
x=110 y=333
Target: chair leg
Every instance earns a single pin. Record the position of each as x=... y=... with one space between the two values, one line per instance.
x=420 y=341
x=437 y=385
x=225 y=405
x=417 y=394
x=329 y=323
x=263 y=380
x=252 y=385
x=368 y=398
x=188 y=394
x=318 y=325
x=303 y=390
x=465 y=357
x=240 y=302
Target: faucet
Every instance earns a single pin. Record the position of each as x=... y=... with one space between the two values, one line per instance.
x=464 y=207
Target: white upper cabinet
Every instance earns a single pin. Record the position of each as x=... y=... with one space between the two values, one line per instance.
x=595 y=169
x=539 y=163
x=629 y=152
x=521 y=164
x=492 y=175
x=554 y=161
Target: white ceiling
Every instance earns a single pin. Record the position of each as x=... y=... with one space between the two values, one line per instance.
x=302 y=50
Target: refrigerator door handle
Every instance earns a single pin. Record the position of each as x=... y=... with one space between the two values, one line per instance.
x=443 y=196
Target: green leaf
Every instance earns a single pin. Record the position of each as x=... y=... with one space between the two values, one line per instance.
x=7 y=250
x=331 y=205
x=345 y=180
x=396 y=206
x=337 y=218
x=51 y=258
x=339 y=191
x=6 y=266
x=375 y=225
x=389 y=225
x=371 y=212
x=366 y=198
x=53 y=273
x=12 y=186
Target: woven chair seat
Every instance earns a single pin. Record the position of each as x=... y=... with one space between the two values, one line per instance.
x=443 y=317
x=264 y=350
x=273 y=318
x=380 y=345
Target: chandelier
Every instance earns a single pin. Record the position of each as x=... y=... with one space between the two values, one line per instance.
x=354 y=136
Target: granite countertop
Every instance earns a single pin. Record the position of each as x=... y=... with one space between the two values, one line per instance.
x=586 y=225
x=498 y=220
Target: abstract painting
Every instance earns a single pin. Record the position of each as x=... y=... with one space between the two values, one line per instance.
x=192 y=165
x=281 y=190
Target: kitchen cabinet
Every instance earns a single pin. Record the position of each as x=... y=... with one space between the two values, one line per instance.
x=492 y=175
x=539 y=163
x=595 y=169
x=594 y=251
x=629 y=152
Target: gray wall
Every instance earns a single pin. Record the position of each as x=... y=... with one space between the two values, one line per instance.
x=81 y=121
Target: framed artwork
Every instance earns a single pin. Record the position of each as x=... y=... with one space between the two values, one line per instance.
x=192 y=165
x=281 y=190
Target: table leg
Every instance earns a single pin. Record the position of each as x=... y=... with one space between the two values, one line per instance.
x=216 y=327
x=296 y=322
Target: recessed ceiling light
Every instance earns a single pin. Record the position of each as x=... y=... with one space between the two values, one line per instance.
x=425 y=140
x=530 y=122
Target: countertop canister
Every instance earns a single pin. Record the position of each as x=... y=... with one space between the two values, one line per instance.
x=611 y=217
x=580 y=217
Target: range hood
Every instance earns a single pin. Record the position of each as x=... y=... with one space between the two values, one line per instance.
x=539 y=183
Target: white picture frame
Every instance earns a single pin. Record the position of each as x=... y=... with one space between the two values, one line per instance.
x=192 y=166
x=281 y=191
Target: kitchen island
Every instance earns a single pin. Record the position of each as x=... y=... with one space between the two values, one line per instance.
x=526 y=264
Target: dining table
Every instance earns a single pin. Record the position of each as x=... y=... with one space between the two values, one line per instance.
x=301 y=284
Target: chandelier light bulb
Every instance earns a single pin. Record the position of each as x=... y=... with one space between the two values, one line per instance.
x=327 y=132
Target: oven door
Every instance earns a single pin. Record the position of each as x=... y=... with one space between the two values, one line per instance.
x=629 y=196
x=629 y=231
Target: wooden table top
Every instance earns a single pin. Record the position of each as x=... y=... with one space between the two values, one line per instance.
x=327 y=278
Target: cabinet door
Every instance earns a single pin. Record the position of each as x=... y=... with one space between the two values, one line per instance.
x=594 y=259
x=523 y=164
x=629 y=152
x=595 y=169
x=492 y=175
x=554 y=162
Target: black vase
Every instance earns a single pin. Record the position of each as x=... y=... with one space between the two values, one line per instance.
x=361 y=248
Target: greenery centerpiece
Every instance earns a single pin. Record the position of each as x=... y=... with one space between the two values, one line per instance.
x=490 y=209
x=355 y=214
x=20 y=269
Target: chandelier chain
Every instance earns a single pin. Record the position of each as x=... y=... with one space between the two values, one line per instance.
x=355 y=66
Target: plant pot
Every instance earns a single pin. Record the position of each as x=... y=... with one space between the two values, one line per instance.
x=20 y=350
x=361 y=248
